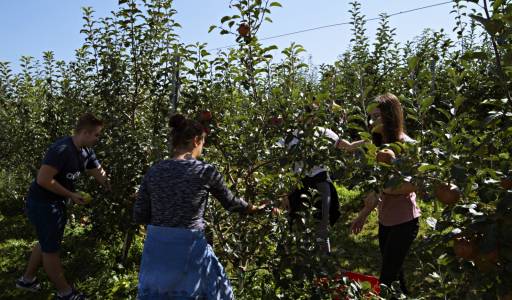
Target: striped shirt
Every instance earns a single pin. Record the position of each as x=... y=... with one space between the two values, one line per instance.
x=174 y=193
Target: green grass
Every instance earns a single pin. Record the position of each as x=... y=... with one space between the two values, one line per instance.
x=89 y=263
x=92 y=263
x=360 y=253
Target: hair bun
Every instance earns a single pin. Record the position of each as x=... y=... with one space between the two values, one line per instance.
x=177 y=121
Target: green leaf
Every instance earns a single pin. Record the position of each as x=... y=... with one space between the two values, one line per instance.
x=396 y=148
x=225 y=18
x=507 y=60
x=427 y=167
x=412 y=62
x=372 y=106
x=122 y=2
x=444 y=112
x=275 y=4
x=270 y=48
x=497 y=4
x=425 y=104
x=353 y=118
x=459 y=173
x=211 y=28
x=491 y=26
x=443 y=260
x=493 y=116
x=470 y=55
x=458 y=101
x=393 y=181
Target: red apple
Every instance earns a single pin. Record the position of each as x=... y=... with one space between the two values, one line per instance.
x=448 y=193
x=276 y=121
x=243 y=29
x=506 y=183
x=486 y=262
x=386 y=156
x=205 y=116
x=464 y=248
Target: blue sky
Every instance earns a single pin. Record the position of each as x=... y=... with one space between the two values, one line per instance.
x=29 y=27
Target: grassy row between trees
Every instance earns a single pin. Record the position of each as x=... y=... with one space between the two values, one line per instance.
x=102 y=276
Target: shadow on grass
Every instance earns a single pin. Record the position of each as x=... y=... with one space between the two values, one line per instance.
x=89 y=261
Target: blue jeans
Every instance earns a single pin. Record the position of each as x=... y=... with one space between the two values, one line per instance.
x=49 y=219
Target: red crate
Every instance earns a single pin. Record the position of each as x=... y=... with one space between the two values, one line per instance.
x=353 y=276
x=372 y=280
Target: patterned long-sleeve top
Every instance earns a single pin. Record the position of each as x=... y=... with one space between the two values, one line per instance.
x=174 y=193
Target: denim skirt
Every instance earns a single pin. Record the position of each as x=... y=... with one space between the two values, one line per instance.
x=178 y=263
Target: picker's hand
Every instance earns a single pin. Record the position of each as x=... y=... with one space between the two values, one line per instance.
x=107 y=186
x=254 y=209
x=276 y=211
x=358 y=224
x=77 y=198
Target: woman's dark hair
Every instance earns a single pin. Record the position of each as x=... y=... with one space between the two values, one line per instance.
x=183 y=130
x=392 y=117
x=377 y=139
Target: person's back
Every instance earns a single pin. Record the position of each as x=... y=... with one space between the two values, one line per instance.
x=177 y=260
x=177 y=193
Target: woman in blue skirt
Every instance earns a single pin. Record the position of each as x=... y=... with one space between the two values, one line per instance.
x=177 y=262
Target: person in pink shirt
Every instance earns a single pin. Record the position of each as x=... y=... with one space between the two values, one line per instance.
x=398 y=211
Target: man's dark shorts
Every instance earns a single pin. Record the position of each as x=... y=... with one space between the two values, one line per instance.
x=49 y=219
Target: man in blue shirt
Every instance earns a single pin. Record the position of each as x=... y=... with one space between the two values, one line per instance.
x=64 y=161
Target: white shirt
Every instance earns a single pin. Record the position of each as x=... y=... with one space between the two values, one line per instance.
x=298 y=166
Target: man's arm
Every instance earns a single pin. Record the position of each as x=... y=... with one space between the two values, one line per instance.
x=101 y=177
x=45 y=178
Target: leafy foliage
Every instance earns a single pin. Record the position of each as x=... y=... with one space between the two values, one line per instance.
x=133 y=71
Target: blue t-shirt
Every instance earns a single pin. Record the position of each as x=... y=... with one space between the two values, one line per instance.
x=69 y=162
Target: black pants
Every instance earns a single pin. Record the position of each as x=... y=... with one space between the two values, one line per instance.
x=394 y=243
x=297 y=202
